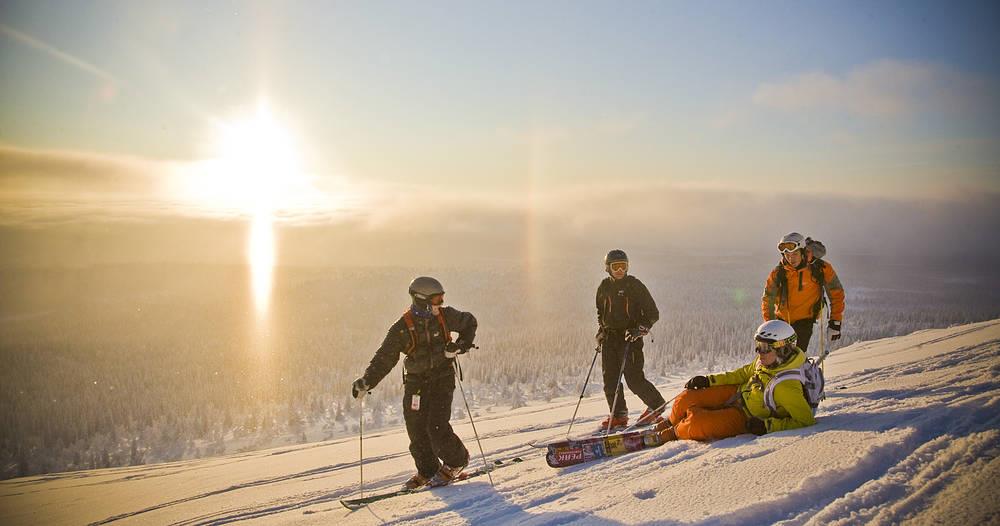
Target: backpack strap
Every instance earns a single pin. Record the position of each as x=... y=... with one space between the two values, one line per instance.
x=412 y=329
x=816 y=269
x=782 y=282
x=790 y=374
x=408 y=319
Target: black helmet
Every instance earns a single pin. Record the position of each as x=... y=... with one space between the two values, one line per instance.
x=613 y=257
x=423 y=288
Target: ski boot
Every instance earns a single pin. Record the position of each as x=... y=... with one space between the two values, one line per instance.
x=612 y=424
x=666 y=431
x=446 y=475
x=650 y=416
x=416 y=481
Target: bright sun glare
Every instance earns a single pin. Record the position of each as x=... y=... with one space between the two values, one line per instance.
x=257 y=161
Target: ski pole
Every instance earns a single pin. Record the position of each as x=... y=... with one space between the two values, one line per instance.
x=662 y=406
x=584 y=390
x=361 y=444
x=621 y=374
x=486 y=466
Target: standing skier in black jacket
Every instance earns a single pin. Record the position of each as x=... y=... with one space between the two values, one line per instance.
x=625 y=313
x=423 y=334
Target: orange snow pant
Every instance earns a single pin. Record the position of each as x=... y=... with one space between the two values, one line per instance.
x=702 y=414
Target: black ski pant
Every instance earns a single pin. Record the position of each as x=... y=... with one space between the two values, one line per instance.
x=431 y=436
x=613 y=353
x=803 y=332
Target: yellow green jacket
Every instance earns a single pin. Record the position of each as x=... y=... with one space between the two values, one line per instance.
x=793 y=410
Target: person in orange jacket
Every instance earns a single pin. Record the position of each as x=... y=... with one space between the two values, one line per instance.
x=794 y=289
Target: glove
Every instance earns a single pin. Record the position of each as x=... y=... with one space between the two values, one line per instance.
x=599 y=337
x=834 y=326
x=636 y=333
x=698 y=382
x=360 y=388
x=756 y=426
x=453 y=349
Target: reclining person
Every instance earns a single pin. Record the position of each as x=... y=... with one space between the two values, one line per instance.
x=729 y=404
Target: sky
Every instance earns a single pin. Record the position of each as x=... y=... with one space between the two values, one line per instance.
x=524 y=124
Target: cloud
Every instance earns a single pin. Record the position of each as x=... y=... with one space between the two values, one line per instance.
x=60 y=186
x=885 y=88
x=39 y=172
x=51 y=192
x=420 y=225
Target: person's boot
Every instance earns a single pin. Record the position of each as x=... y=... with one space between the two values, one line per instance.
x=666 y=431
x=416 y=481
x=617 y=422
x=445 y=475
x=650 y=416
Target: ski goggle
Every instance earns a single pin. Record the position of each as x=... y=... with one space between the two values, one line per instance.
x=619 y=266
x=787 y=247
x=766 y=347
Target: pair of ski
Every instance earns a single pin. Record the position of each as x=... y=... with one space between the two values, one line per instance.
x=573 y=451
x=353 y=504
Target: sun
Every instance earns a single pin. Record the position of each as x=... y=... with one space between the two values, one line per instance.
x=256 y=167
x=257 y=159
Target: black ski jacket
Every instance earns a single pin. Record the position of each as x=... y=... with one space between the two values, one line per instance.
x=426 y=359
x=625 y=304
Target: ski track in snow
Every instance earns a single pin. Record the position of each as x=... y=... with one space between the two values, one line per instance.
x=909 y=433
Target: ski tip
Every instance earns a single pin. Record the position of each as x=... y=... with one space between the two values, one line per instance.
x=352 y=505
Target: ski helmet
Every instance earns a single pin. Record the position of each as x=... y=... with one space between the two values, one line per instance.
x=423 y=288
x=817 y=248
x=614 y=256
x=777 y=335
x=791 y=242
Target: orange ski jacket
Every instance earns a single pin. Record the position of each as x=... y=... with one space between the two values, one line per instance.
x=803 y=293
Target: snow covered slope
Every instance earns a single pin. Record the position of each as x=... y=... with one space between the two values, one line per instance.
x=910 y=432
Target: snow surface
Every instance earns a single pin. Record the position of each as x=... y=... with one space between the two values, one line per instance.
x=910 y=432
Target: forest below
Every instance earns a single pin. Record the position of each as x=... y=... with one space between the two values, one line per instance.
x=129 y=364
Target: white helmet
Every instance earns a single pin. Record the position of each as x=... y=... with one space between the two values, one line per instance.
x=791 y=242
x=775 y=331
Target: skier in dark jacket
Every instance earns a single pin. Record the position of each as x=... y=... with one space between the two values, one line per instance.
x=423 y=334
x=625 y=313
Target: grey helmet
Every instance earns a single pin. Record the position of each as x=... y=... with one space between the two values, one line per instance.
x=423 y=288
x=614 y=256
x=817 y=248
x=785 y=244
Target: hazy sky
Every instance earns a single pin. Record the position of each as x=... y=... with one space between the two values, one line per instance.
x=551 y=118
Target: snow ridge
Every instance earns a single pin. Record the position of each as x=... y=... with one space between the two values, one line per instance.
x=909 y=433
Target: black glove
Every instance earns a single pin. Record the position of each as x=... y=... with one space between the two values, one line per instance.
x=698 y=382
x=452 y=349
x=834 y=326
x=599 y=337
x=756 y=426
x=359 y=388
x=636 y=333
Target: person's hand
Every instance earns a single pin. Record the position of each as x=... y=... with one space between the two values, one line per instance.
x=756 y=426
x=359 y=388
x=636 y=333
x=451 y=350
x=698 y=382
x=599 y=337
x=834 y=326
